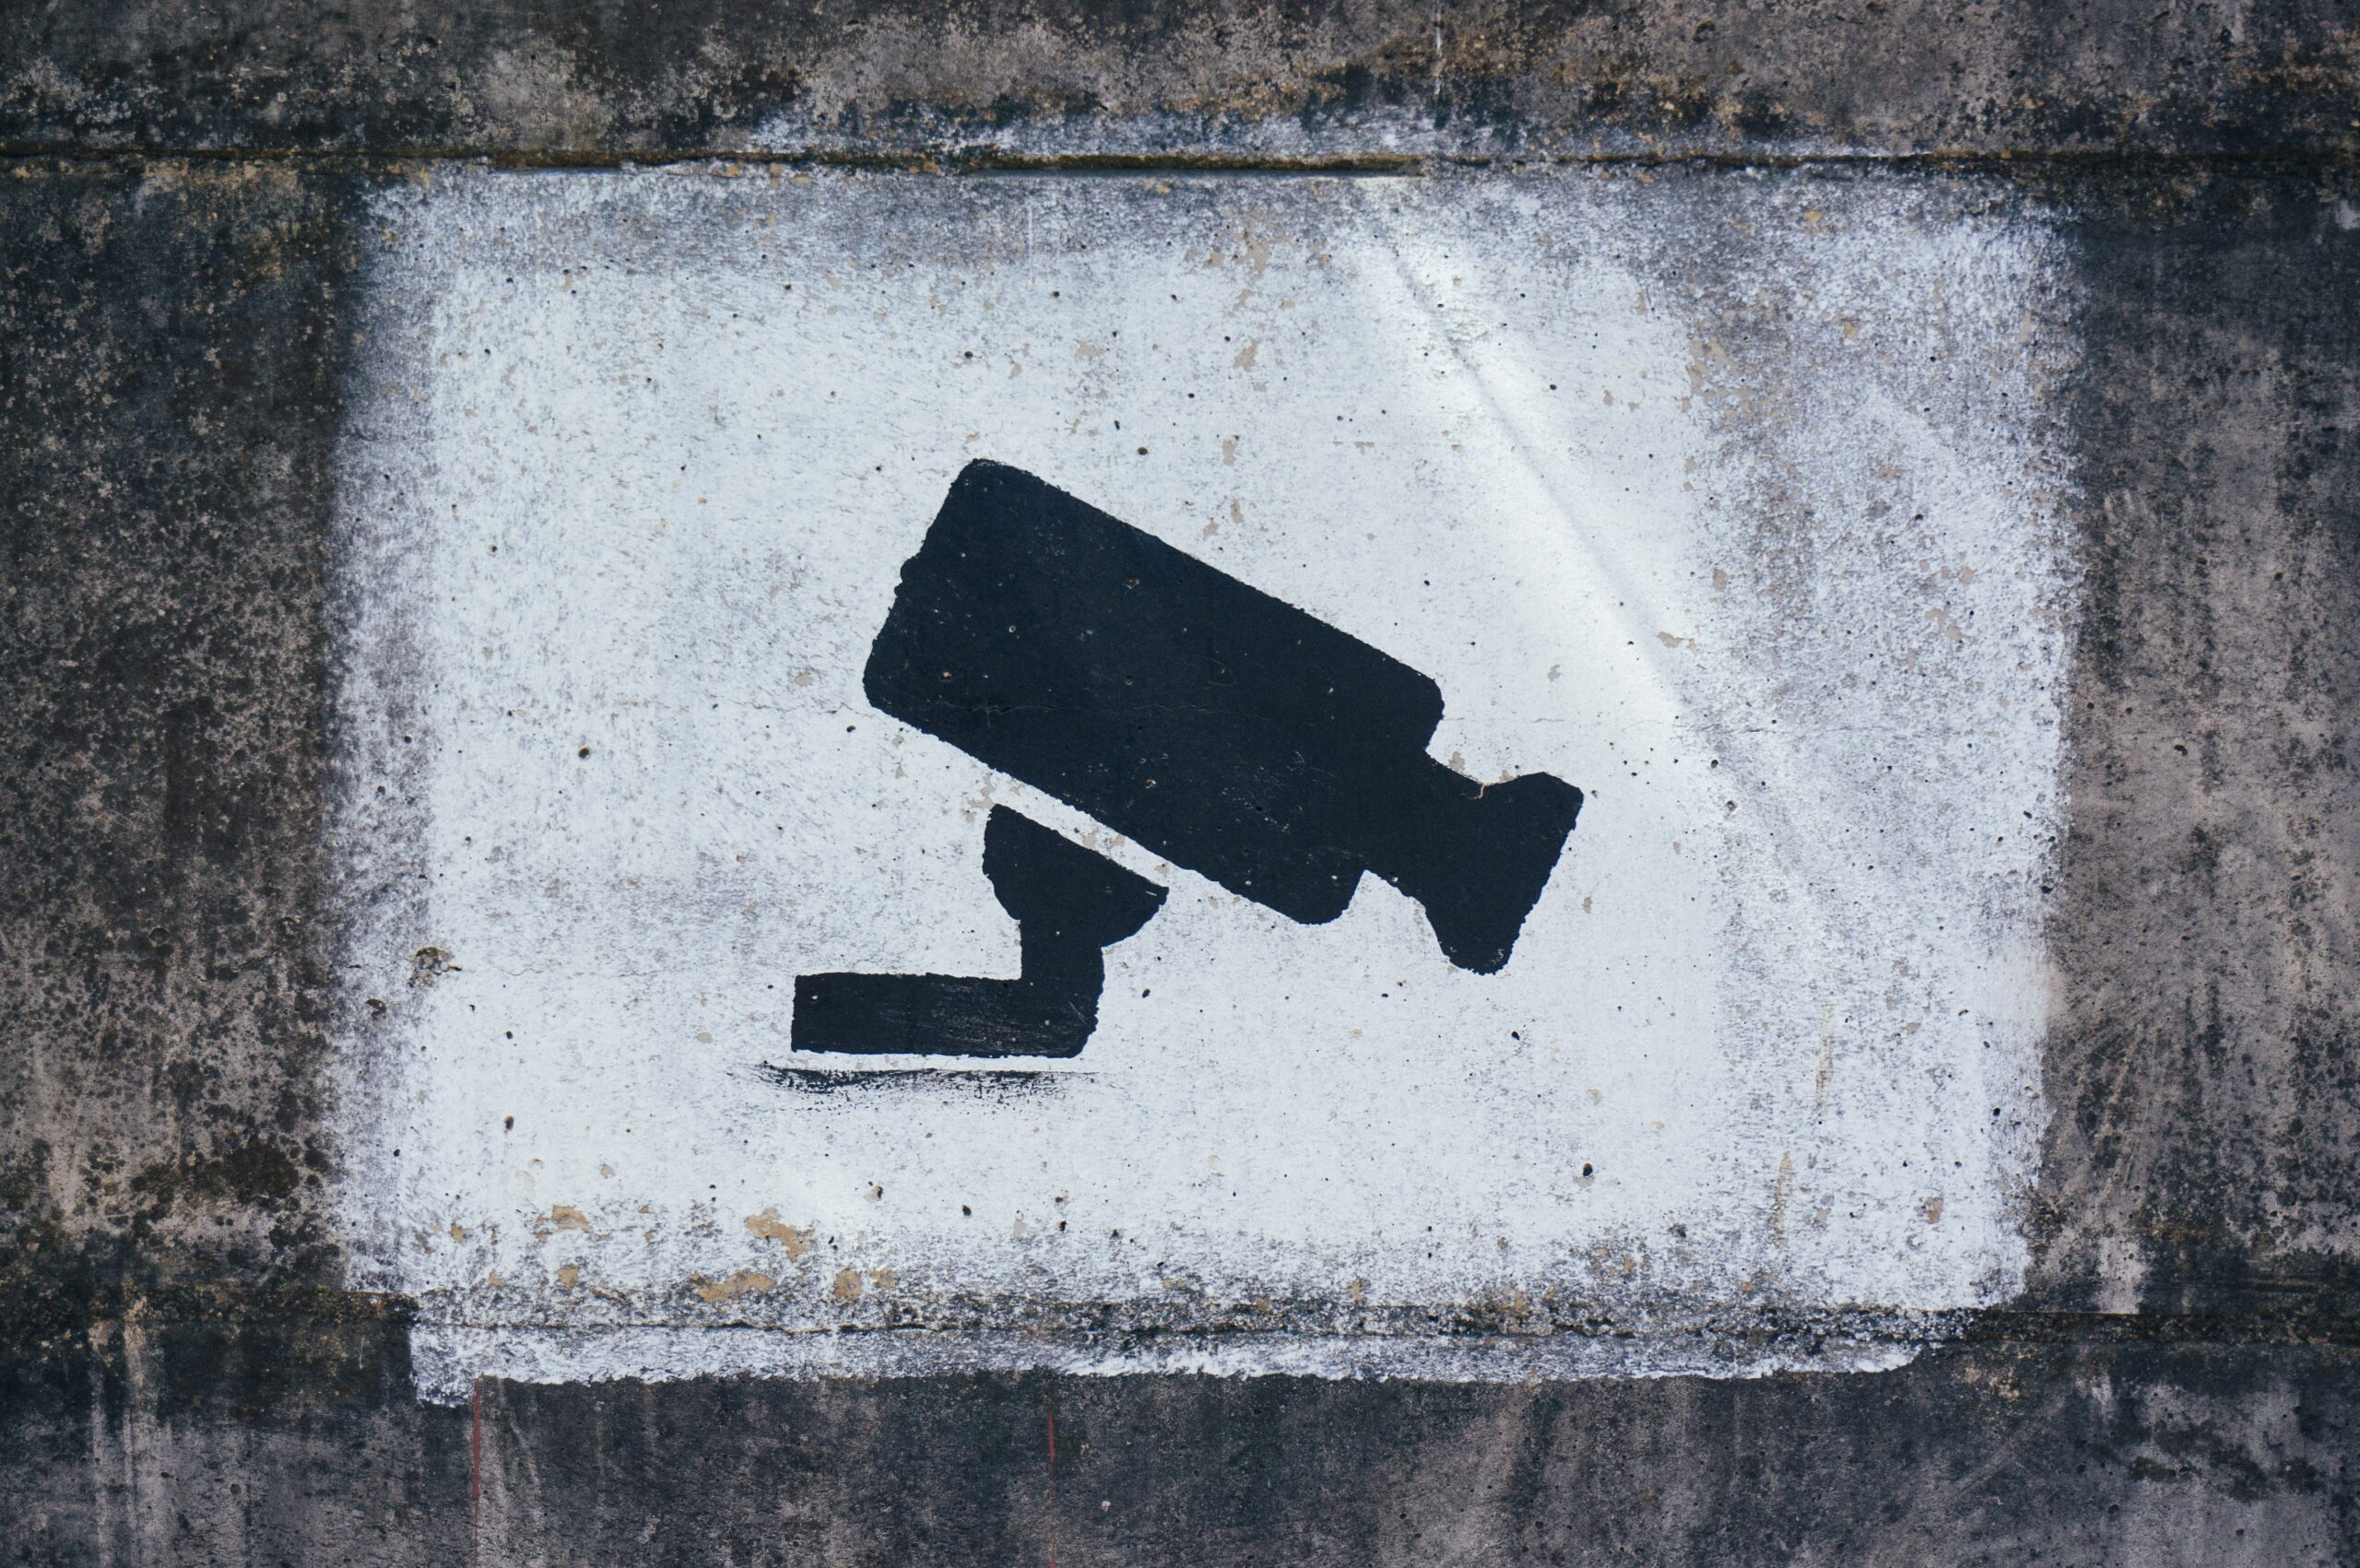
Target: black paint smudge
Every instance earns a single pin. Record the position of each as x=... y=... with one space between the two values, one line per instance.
x=1070 y=902
x=988 y=1083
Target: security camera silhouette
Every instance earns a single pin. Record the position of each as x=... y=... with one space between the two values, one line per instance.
x=1225 y=730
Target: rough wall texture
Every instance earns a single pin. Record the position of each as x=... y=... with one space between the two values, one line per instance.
x=186 y=1381
x=2201 y=1159
x=172 y=352
x=1917 y=75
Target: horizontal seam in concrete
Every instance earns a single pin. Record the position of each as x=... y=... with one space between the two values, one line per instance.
x=987 y=161
x=1989 y=1327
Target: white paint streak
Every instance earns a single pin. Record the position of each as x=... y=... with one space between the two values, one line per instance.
x=1731 y=508
x=447 y=1359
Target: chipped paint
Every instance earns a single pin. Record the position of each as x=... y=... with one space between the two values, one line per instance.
x=771 y=1228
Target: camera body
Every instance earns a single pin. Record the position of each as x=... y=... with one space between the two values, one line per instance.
x=1221 y=727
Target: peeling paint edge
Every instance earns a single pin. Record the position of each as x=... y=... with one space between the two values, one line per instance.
x=448 y=1361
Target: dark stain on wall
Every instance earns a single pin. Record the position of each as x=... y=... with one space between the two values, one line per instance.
x=169 y=348
x=267 y=1444
x=2204 y=1151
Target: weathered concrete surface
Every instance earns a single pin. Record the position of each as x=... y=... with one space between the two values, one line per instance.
x=1366 y=77
x=172 y=337
x=169 y=354
x=268 y=1445
x=2204 y=1079
x=182 y=1378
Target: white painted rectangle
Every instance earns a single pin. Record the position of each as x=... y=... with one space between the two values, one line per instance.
x=1731 y=502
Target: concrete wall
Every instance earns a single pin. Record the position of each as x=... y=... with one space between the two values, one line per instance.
x=188 y=1375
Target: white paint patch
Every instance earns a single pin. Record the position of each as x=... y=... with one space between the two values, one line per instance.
x=1730 y=501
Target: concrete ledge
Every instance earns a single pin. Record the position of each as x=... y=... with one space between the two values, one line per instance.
x=1297 y=80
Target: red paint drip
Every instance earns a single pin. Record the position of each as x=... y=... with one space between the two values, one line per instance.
x=474 y=1453
x=1050 y=1411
